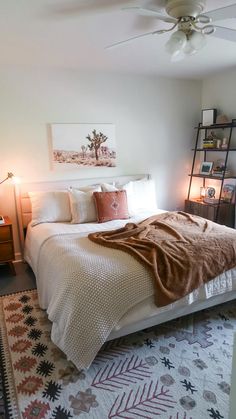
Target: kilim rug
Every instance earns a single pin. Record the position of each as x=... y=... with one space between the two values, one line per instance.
x=178 y=370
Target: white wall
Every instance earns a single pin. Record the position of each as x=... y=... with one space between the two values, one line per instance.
x=154 y=119
x=218 y=91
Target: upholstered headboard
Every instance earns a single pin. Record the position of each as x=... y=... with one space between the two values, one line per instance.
x=24 y=212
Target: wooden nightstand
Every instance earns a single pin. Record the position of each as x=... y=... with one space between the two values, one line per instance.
x=7 y=254
x=198 y=207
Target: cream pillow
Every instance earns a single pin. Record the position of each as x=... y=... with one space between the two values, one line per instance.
x=108 y=187
x=141 y=195
x=50 y=207
x=82 y=205
x=87 y=188
x=144 y=195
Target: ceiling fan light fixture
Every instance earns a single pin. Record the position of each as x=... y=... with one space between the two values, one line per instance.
x=189 y=49
x=197 y=40
x=176 y=43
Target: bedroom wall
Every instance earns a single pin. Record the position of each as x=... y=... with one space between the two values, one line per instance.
x=218 y=92
x=154 y=119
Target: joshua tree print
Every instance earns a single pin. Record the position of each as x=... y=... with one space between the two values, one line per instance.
x=95 y=141
x=83 y=145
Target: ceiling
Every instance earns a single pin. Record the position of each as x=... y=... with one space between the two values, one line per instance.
x=61 y=33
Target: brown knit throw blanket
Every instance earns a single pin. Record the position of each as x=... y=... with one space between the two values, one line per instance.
x=183 y=251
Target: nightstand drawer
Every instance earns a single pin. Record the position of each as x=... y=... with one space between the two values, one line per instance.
x=6 y=252
x=5 y=233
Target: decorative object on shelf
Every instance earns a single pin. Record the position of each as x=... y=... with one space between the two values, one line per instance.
x=218 y=143
x=208 y=142
x=9 y=176
x=202 y=192
x=222 y=119
x=210 y=192
x=209 y=116
x=224 y=144
x=219 y=168
x=211 y=141
x=205 y=168
x=210 y=196
x=228 y=193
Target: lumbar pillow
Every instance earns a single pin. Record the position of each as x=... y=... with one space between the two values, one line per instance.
x=50 y=207
x=82 y=206
x=111 y=205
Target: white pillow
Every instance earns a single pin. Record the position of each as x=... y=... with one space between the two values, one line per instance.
x=144 y=194
x=50 y=207
x=108 y=187
x=87 y=188
x=82 y=205
x=141 y=195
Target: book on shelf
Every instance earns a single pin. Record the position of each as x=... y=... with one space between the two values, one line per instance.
x=2 y=221
x=220 y=173
x=228 y=193
x=208 y=200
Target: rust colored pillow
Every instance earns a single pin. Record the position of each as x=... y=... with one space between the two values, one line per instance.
x=111 y=205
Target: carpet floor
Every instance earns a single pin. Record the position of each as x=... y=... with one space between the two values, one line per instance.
x=177 y=370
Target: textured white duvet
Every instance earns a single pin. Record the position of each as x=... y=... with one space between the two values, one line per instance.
x=88 y=290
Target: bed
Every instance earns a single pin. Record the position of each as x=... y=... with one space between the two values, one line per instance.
x=70 y=272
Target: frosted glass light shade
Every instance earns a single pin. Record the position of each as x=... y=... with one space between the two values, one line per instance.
x=176 y=43
x=197 y=40
x=189 y=49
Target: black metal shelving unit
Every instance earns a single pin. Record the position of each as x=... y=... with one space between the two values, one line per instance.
x=197 y=149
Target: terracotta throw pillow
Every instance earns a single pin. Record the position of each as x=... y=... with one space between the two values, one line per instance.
x=111 y=205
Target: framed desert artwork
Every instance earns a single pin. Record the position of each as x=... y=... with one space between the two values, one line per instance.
x=83 y=145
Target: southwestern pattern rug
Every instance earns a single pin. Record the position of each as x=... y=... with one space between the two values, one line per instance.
x=177 y=370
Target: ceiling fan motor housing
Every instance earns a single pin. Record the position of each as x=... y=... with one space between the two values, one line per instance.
x=180 y=8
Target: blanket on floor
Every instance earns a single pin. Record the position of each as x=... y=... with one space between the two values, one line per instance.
x=182 y=251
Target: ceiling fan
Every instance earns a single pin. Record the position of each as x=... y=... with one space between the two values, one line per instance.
x=191 y=27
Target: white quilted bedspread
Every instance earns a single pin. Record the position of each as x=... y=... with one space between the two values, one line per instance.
x=88 y=290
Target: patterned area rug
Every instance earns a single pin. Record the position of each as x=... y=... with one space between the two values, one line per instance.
x=178 y=370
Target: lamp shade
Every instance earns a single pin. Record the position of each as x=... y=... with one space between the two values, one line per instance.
x=176 y=43
x=197 y=40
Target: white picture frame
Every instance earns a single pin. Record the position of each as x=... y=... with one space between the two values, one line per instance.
x=82 y=145
x=206 y=168
x=208 y=116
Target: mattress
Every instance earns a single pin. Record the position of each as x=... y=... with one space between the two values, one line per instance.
x=142 y=314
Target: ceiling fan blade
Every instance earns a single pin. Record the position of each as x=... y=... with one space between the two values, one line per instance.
x=133 y=38
x=223 y=13
x=225 y=33
x=149 y=12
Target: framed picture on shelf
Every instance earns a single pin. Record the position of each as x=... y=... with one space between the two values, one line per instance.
x=205 y=168
x=228 y=193
x=208 y=116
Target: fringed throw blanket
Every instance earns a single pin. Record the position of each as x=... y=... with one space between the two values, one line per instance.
x=183 y=251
